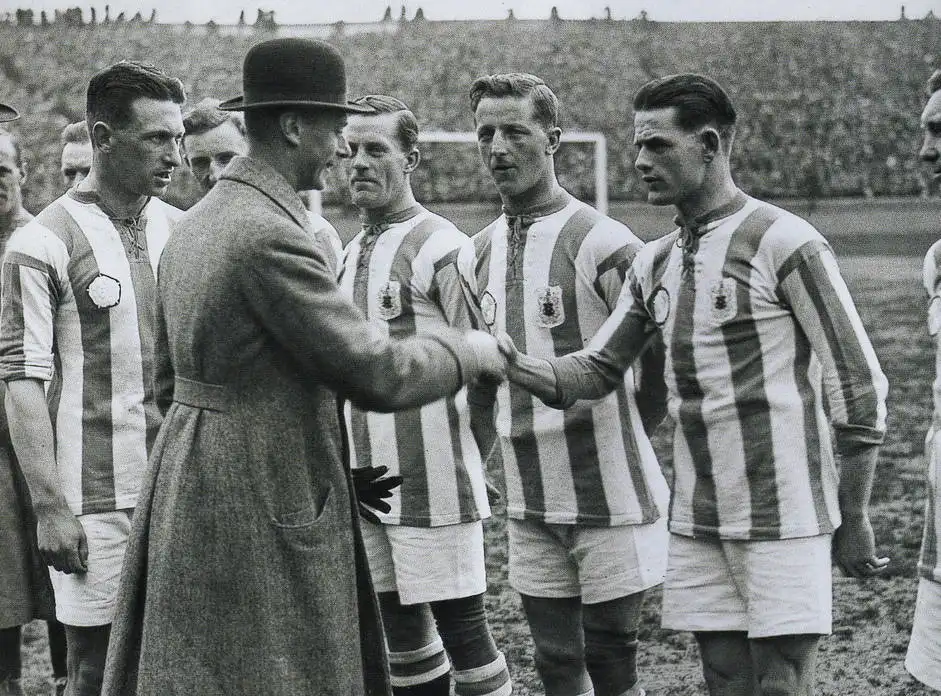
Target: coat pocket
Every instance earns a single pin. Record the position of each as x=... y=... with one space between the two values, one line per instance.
x=311 y=516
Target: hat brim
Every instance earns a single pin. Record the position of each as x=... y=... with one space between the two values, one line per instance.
x=8 y=113
x=238 y=104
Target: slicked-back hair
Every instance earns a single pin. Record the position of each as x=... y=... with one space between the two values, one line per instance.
x=207 y=115
x=74 y=133
x=546 y=108
x=17 y=151
x=699 y=101
x=112 y=91
x=406 y=125
x=934 y=82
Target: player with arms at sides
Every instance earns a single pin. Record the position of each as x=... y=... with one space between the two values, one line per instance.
x=585 y=496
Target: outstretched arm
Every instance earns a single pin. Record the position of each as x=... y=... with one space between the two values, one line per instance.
x=586 y=374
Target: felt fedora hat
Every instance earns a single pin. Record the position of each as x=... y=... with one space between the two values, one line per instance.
x=293 y=72
x=8 y=113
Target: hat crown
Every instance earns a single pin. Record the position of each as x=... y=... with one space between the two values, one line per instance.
x=291 y=69
x=292 y=72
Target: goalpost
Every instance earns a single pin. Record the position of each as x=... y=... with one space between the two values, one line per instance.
x=591 y=137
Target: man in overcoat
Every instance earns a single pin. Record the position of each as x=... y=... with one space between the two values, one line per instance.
x=246 y=572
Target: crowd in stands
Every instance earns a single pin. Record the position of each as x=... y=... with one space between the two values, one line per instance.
x=826 y=109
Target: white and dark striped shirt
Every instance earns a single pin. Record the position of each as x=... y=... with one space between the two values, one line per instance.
x=77 y=312
x=761 y=338
x=406 y=277
x=550 y=281
x=928 y=563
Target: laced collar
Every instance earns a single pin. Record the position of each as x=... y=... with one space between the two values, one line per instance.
x=92 y=196
x=690 y=234
x=386 y=221
x=518 y=220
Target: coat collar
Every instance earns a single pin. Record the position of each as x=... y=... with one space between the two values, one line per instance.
x=267 y=180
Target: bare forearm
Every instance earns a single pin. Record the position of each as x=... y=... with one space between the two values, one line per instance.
x=31 y=432
x=857 y=472
x=483 y=428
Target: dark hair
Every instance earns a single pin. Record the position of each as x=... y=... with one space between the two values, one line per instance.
x=406 y=125
x=17 y=152
x=74 y=133
x=545 y=104
x=112 y=91
x=699 y=101
x=934 y=82
x=207 y=115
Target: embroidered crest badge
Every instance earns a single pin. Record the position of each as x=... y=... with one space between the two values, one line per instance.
x=934 y=315
x=550 y=313
x=723 y=301
x=660 y=305
x=488 y=307
x=104 y=291
x=390 y=300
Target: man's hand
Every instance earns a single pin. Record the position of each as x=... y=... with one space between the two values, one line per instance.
x=854 y=548
x=489 y=356
x=62 y=542
x=371 y=488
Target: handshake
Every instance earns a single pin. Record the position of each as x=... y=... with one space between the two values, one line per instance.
x=496 y=356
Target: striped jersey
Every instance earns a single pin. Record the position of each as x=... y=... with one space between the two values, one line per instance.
x=761 y=338
x=550 y=282
x=328 y=240
x=405 y=278
x=77 y=312
x=928 y=564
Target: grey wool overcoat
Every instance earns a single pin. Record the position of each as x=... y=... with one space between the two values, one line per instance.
x=245 y=571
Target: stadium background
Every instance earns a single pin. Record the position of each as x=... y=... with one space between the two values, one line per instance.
x=828 y=108
x=829 y=127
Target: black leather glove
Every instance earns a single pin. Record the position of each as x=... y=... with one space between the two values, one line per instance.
x=372 y=485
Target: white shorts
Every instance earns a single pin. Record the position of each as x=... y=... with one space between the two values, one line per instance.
x=597 y=564
x=426 y=564
x=87 y=599
x=765 y=588
x=923 y=660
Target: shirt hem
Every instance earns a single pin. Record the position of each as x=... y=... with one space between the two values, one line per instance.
x=622 y=520
x=749 y=534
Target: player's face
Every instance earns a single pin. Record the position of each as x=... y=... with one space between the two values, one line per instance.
x=514 y=146
x=210 y=152
x=76 y=163
x=669 y=159
x=11 y=177
x=931 y=125
x=146 y=150
x=322 y=145
x=379 y=166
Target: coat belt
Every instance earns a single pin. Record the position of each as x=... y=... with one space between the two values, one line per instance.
x=215 y=397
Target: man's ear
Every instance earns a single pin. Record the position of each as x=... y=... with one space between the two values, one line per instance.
x=711 y=143
x=412 y=160
x=290 y=123
x=24 y=166
x=555 y=139
x=101 y=136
